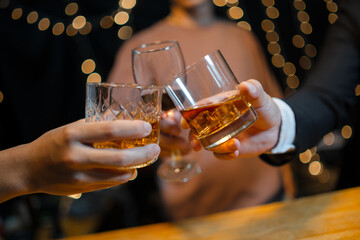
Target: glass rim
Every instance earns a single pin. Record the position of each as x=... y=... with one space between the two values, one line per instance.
x=198 y=61
x=138 y=50
x=122 y=85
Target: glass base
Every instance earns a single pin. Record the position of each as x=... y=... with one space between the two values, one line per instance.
x=179 y=171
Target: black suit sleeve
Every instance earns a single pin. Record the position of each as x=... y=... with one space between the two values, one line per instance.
x=328 y=95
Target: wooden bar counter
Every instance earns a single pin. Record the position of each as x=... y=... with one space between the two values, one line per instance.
x=334 y=215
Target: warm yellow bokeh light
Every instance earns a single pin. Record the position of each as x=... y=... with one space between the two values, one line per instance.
x=310 y=50
x=306 y=156
x=272 y=12
x=267 y=25
x=44 y=24
x=220 y=3
x=346 y=132
x=274 y=48
x=329 y=139
x=1 y=97
x=357 y=90
x=292 y=81
x=32 y=17
x=79 y=22
x=88 y=66
x=278 y=60
x=71 y=9
x=125 y=32
x=332 y=7
x=235 y=13
x=106 y=22
x=58 y=29
x=244 y=25
x=315 y=168
x=272 y=36
x=121 y=18
x=332 y=18
x=289 y=69
x=16 y=13
x=306 y=27
x=86 y=29
x=268 y=3
x=298 y=41
x=303 y=16
x=299 y=5
x=305 y=62
x=127 y=4
x=70 y=31
x=94 y=77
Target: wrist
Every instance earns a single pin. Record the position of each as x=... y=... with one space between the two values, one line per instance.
x=14 y=173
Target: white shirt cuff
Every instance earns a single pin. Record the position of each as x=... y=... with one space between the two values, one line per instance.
x=287 y=131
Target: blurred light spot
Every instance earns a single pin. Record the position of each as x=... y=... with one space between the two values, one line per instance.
x=125 y=32
x=315 y=168
x=299 y=5
x=94 y=77
x=329 y=139
x=128 y=4
x=332 y=18
x=79 y=22
x=86 y=29
x=16 y=13
x=292 y=81
x=357 y=90
x=298 y=41
x=32 y=17
x=303 y=16
x=272 y=36
x=346 y=131
x=70 y=31
x=4 y=3
x=306 y=156
x=306 y=27
x=235 y=12
x=121 y=18
x=289 y=68
x=71 y=9
x=274 y=48
x=220 y=3
x=324 y=177
x=272 y=12
x=232 y=1
x=332 y=7
x=44 y=24
x=244 y=25
x=268 y=3
x=310 y=50
x=278 y=60
x=1 y=97
x=267 y=25
x=305 y=62
x=106 y=22
x=134 y=175
x=58 y=29
x=75 y=196
x=88 y=66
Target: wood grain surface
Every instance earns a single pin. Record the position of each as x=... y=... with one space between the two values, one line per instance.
x=334 y=215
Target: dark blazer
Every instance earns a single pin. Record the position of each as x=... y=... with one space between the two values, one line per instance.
x=327 y=99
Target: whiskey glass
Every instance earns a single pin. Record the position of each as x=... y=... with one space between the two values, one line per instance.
x=207 y=97
x=157 y=63
x=110 y=101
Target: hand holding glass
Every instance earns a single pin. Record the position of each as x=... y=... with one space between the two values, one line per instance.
x=205 y=94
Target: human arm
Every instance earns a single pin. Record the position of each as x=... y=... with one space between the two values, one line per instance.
x=62 y=162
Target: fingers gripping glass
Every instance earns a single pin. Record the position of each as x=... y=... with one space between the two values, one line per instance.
x=206 y=95
x=156 y=64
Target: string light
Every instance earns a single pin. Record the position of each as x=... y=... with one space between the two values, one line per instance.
x=346 y=132
x=329 y=139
